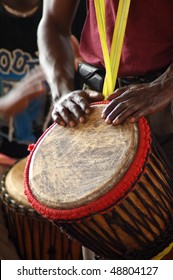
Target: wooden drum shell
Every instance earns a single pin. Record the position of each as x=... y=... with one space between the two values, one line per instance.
x=139 y=226
x=131 y=218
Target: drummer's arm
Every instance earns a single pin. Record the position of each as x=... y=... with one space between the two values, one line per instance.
x=55 y=48
x=27 y=89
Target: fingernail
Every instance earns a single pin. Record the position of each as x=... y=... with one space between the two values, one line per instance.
x=103 y=116
x=62 y=123
x=116 y=122
x=82 y=119
x=72 y=124
x=87 y=111
x=132 y=119
x=108 y=121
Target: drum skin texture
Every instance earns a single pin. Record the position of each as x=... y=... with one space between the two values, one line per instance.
x=109 y=187
x=35 y=237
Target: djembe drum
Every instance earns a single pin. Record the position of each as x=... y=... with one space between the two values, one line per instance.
x=110 y=188
x=34 y=236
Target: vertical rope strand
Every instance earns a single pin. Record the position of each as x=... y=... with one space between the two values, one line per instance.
x=112 y=60
x=100 y=15
x=118 y=37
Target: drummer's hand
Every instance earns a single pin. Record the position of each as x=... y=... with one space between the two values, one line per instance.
x=133 y=102
x=73 y=107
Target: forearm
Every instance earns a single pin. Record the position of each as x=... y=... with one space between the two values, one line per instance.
x=34 y=76
x=56 y=56
x=28 y=88
x=165 y=83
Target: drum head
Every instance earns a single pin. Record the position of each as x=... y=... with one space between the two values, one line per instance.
x=14 y=183
x=71 y=167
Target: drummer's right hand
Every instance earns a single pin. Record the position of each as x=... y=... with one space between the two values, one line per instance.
x=73 y=107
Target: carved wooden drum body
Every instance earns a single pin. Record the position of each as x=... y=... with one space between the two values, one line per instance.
x=34 y=236
x=108 y=187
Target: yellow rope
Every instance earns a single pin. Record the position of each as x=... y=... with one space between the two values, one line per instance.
x=111 y=60
x=100 y=15
x=118 y=38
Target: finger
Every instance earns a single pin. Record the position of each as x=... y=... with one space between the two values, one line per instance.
x=116 y=93
x=76 y=111
x=109 y=108
x=81 y=100
x=122 y=117
x=130 y=97
x=115 y=112
x=121 y=112
x=63 y=116
x=57 y=118
x=94 y=96
x=125 y=90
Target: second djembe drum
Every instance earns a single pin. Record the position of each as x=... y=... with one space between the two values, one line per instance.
x=35 y=237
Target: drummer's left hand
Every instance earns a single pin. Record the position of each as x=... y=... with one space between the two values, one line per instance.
x=133 y=102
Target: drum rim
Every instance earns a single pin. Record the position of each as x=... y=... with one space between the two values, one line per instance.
x=11 y=202
x=107 y=200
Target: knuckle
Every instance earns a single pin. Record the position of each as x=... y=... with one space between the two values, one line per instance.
x=123 y=104
x=62 y=110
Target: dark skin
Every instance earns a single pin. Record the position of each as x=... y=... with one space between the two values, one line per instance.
x=140 y=100
x=57 y=59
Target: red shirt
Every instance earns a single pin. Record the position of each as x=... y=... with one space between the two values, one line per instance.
x=148 y=43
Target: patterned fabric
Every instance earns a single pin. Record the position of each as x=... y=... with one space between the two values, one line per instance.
x=18 y=55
